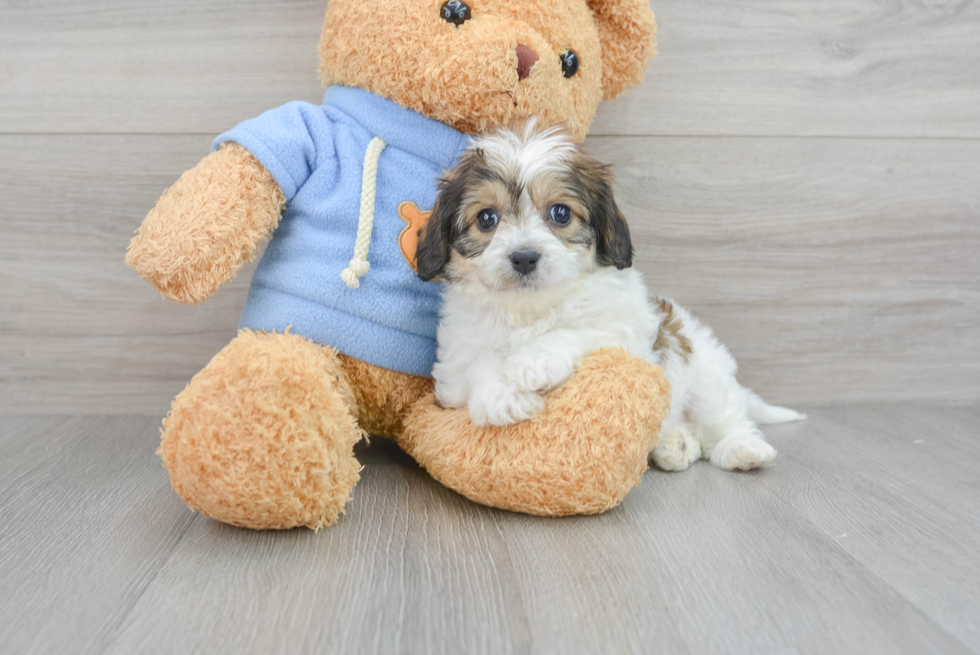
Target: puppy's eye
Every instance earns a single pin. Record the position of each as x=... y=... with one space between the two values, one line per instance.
x=569 y=64
x=561 y=215
x=456 y=12
x=487 y=219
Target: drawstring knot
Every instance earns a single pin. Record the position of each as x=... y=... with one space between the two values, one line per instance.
x=359 y=265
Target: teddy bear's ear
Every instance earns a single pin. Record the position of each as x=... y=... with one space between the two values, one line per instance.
x=628 y=37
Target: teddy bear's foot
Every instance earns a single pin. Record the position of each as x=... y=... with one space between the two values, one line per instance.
x=580 y=456
x=263 y=437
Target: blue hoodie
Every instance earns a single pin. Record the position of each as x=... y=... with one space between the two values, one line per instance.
x=317 y=156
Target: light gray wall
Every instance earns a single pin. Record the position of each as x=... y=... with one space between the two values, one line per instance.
x=805 y=176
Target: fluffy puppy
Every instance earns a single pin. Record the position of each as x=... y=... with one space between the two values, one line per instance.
x=536 y=259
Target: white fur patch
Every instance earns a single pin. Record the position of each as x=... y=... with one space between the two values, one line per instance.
x=530 y=152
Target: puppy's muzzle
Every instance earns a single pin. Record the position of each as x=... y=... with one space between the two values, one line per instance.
x=524 y=261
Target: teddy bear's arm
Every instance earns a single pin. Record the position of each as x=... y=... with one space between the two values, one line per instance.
x=207 y=225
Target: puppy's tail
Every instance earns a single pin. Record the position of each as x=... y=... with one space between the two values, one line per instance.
x=763 y=413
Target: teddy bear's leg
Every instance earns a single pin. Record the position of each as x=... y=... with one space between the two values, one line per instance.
x=383 y=397
x=580 y=456
x=263 y=436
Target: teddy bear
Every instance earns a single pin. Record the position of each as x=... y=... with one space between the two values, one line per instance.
x=337 y=336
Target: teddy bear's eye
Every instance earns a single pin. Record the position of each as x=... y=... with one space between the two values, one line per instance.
x=455 y=12
x=569 y=64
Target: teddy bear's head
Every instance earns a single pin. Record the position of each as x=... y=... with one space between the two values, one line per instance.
x=477 y=64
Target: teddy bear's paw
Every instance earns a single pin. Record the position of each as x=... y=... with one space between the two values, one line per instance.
x=502 y=404
x=263 y=437
x=207 y=225
x=677 y=448
x=538 y=370
x=743 y=450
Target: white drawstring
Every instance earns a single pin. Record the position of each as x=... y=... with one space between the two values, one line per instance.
x=359 y=265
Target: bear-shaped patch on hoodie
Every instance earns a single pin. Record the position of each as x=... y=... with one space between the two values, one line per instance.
x=337 y=337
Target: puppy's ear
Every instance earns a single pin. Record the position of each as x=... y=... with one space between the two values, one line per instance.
x=628 y=38
x=435 y=238
x=432 y=254
x=613 y=245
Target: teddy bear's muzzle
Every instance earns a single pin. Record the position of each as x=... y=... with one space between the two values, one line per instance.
x=526 y=58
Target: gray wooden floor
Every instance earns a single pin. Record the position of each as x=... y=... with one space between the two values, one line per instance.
x=862 y=538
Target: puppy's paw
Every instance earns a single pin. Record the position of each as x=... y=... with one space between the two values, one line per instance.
x=677 y=448
x=451 y=396
x=743 y=451
x=503 y=405
x=538 y=371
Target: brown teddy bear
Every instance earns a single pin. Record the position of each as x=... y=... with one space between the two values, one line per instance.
x=337 y=337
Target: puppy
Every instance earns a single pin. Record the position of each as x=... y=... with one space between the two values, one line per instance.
x=536 y=259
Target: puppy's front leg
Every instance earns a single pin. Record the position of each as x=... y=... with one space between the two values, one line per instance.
x=546 y=362
x=495 y=401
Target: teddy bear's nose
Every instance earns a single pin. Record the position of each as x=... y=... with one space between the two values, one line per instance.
x=525 y=60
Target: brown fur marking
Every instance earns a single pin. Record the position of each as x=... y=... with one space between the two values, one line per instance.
x=670 y=329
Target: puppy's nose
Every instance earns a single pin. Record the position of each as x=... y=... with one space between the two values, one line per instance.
x=524 y=261
x=526 y=58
